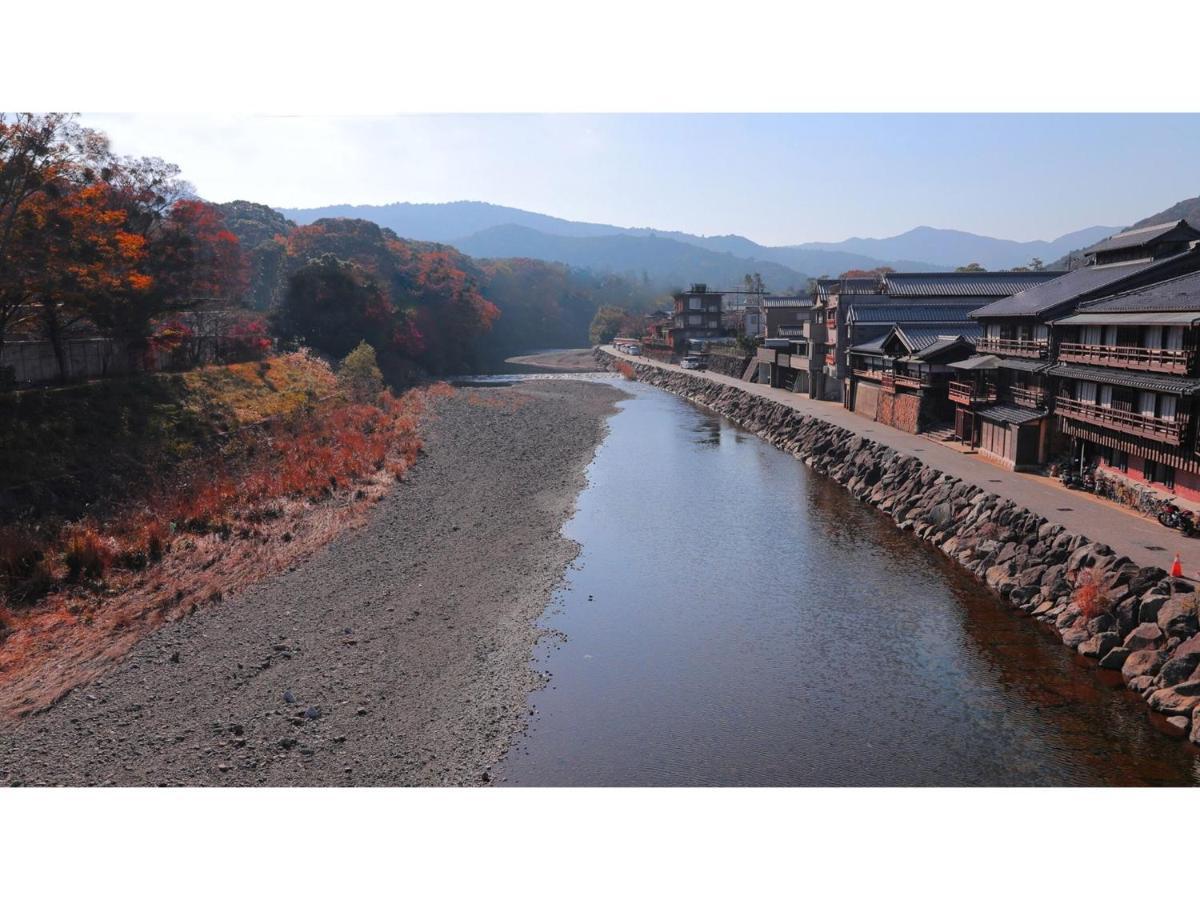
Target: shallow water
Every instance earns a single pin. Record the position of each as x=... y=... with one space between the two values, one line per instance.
x=735 y=619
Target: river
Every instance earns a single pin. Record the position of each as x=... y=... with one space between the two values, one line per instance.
x=735 y=619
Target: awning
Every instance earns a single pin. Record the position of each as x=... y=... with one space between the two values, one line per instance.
x=1136 y=380
x=1024 y=365
x=979 y=362
x=1010 y=415
x=1132 y=318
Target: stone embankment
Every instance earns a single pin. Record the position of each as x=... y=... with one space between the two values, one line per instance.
x=1135 y=620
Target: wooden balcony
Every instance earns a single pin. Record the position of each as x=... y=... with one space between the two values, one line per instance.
x=887 y=381
x=916 y=382
x=1035 y=398
x=867 y=374
x=1146 y=359
x=965 y=393
x=1166 y=432
x=1010 y=347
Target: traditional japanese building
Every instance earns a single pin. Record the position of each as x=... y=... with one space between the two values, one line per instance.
x=901 y=377
x=1003 y=398
x=1127 y=383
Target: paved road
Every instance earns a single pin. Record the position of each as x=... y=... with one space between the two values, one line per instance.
x=1141 y=539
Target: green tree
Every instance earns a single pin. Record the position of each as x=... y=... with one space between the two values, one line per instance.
x=971 y=267
x=606 y=324
x=332 y=305
x=359 y=374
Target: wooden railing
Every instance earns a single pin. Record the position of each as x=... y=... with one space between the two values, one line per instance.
x=1035 y=397
x=1168 y=432
x=1034 y=349
x=1154 y=359
x=966 y=393
x=903 y=379
x=887 y=380
x=869 y=374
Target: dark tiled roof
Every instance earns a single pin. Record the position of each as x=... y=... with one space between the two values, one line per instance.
x=961 y=284
x=1139 y=237
x=1179 y=294
x=873 y=347
x=922 y=337
x=1069 y=288
x=912 y=312
x=1011 y=415
x=787 y=302
x=1137 y=380
x=871 y=285
x=1023 y=365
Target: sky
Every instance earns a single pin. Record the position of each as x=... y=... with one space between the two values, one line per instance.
x=777 y=179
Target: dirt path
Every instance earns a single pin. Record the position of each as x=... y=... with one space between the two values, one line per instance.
x=397 y=655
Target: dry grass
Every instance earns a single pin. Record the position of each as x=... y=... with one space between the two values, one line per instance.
x=625 y=369
x=1091 y=595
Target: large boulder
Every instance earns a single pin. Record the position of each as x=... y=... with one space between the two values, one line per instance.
x=1176 y=701
x=1150 y=605
x=1100 y=644
x=1145 y=637
x=1177 y=617
x=1115 y=658
x=1073 y=637
x=1145 y=579
x=1142 y=662
x=1176 y=671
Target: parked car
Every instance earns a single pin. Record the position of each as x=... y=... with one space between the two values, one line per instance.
x=692 y=362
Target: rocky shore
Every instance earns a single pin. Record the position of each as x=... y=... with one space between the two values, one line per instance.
x=1130 y=619
x=399 y=654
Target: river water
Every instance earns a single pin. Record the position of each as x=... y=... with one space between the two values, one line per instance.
x=735 y=619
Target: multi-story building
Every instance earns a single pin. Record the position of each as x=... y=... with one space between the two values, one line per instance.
x=794 y=344
x=844 y=329
x=696 y=316
x=1128 y=382
x=900 y=376
x=1002 y=398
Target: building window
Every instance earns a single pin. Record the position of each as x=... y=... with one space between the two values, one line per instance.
x=693 y=302
x=695 y=320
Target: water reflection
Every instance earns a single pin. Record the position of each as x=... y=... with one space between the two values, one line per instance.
x=735 y=619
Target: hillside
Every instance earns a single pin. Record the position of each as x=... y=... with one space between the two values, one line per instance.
x=1184 y=209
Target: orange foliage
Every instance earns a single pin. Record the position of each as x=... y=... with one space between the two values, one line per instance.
x=1091 y=596
x=625 y=369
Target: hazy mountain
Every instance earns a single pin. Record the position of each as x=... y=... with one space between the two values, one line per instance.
x=444 y=222
x=665 y=262
x=466 y=224
x=947 y=247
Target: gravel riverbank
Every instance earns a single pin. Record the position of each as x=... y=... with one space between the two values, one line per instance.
x=397 y=655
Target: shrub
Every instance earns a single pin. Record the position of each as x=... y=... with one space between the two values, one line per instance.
x=157 y=538
x=359 y=374
x=86 y=553
x=625 y=369
x=19 y=554
x=1091 y=596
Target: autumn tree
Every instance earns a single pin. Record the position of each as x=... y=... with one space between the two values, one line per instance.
x=359 y=374
x=868 y=273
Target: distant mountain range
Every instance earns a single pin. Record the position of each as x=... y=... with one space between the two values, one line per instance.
x=673 y=258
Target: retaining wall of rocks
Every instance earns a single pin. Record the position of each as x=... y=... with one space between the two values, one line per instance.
x=1131 y=619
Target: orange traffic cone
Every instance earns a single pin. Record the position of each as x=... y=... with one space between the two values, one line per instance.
x=1177 y=568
